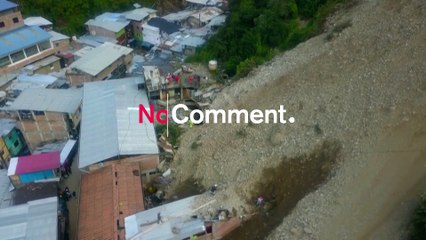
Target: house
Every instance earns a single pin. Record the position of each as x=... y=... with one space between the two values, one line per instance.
x=204 y=16
x=12 y=142
x=45 y=66
x=204 y=3
x=48 y=114
x=107 y=196
x=187 y=45
x=33 y=168
x=60 y=42
x=188 y=218
x=20 y=45
x=10 y=16
x=112 y=25
x=180 y=17
x=35 y=220
x=157 y=29
x=110 y=128
x=67 y=149
x=137 y=18
x=106 y=61
x=158 y=86
x=38 y=21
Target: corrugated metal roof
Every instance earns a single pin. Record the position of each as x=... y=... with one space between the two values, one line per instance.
x=35 y=163
x=36 y=21
x=205 y=2
x=35 y=220
x=139 y=14
x=176 y=221
x=6 y=5
x=100 y=58
x=6 y=125
x=57 y=36
x=109 y=125
x=113 y=22
x=49 y=100
x=206 y=14
x=65 y=147
x=18 y=39
x=5 y=193
x=179 y=16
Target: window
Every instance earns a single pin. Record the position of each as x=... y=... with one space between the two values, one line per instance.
x=44 y=45
x=39 y=113
x=25 y=115
x=15 y=20
x=16 y=143
x=4 y=61
x=31 y=51
x=18 y=56
x=1 y=24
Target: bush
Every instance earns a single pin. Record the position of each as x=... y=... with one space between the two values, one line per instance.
x=418 y=225
x=255 y=29
x=174 y=132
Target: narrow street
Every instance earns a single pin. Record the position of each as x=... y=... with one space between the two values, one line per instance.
x=73 y=183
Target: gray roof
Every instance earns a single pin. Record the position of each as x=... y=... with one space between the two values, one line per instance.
x=100 y=58
x=37 y=21
x=5 y=187
x=6 y=125
x=109 y=124
x=113 y=22
x=49 y=100
x=57 y=36
x=139 y=14
x=175 y=216
x=179 y=16
x=35 y=220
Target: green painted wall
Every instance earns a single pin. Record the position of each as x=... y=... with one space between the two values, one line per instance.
x=14 y=142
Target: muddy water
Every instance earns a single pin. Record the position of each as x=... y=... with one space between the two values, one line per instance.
x=283 y=186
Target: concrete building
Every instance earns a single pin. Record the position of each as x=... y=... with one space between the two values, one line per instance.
x=34 y=168
x=48 y=114
x=157 y=30
x=112 y=25
x=106 y=61
x=60 y=42
x=10 y=16
x=19 y=44
x=107 y=196
x=39 y=21
x=137 y=18
x=12 y=142
x=110 y=128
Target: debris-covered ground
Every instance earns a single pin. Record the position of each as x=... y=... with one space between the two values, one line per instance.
x=362 y=85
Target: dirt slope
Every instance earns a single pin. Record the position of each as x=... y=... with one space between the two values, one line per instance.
x=365 y=89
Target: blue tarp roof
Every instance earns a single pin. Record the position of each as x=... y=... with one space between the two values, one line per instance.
x=5 y=5
x=20 y=38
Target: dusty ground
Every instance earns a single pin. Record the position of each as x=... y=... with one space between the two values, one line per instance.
x=365 y=89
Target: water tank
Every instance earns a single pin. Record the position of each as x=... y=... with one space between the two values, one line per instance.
x=212 y=65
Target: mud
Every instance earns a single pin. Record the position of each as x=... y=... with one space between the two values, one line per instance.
x=284 y=185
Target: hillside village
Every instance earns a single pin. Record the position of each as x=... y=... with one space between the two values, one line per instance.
x=75 y=161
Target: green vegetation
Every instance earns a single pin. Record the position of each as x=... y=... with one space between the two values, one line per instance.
x=69 y=16
x=256 y=30
x=418 y=230
x=174 y=132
